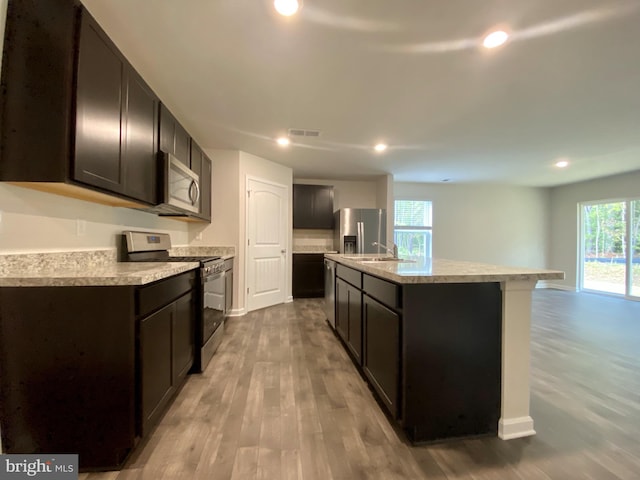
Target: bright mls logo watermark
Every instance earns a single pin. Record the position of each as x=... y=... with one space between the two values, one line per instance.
x=52 y=467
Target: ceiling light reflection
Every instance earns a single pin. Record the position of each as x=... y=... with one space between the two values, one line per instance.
x=495 y=39
x=329 y=19
x=570 y=22
x=286 y=7
x=380 y=147
x=283 y=141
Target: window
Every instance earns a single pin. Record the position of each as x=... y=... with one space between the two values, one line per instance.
x=611 y=247
x=412 y=228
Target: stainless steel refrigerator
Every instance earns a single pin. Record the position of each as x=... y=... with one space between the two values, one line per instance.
x=355 y=229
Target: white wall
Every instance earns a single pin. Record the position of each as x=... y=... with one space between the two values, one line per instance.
x=564 y=219
x=230 y=171
x=225 y=207
x=486 y=223
x=385 y=198
x=35 y=221
x=260 y=168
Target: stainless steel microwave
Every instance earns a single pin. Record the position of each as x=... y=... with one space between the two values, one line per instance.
x=179 y=188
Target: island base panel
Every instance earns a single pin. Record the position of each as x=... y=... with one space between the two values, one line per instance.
x=451 y=360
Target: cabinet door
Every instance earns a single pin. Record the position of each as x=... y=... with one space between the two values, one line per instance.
x=174 y=139
x=205 y=188
x=155 y=365
x=312 y=206
x=323 y=207
x=183 y=337
x=201 y=164
x=140 y=140
x=381 y=359
x=308 y=275
x=342 y=308
x=349 y=317
x=99 y=100
x=183 y=144
x=355 y=322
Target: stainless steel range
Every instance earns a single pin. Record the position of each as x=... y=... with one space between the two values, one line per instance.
x=215 y=279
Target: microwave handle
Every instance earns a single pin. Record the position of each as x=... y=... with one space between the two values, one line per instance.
x=195 y=199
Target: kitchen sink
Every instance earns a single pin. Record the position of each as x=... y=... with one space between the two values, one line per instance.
x=384 y=260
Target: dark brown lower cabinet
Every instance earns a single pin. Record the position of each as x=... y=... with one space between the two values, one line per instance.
x=155 y=365
x=349 y=317
x=183 y=333
x=381 y=361
x=68 y=362
x=431 y=352
x=89 y=370
x=308 y=275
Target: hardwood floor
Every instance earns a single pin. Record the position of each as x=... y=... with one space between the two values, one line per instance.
x=282 y=400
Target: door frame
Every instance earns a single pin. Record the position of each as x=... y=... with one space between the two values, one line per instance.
x=286 y=279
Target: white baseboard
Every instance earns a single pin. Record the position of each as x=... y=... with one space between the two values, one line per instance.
x=237 y=312
x=515 y=428
x=289 y=299
x=558 y=286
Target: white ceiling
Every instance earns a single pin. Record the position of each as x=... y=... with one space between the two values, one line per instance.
x=408 y=72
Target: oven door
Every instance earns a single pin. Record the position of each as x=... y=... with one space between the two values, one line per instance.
x=214 y=307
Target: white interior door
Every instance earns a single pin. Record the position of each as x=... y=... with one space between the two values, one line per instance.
x=267 y=237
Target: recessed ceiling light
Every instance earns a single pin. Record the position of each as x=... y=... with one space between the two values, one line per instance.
x=286 y=7
x=283 y=141
x=495 y=39
x=562 y=163
x=381 y=147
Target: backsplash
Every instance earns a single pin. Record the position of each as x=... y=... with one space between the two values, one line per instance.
x=312 y=240
x=28 y=262
x=199 y=250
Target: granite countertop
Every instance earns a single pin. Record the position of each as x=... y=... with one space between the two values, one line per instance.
x=435 y=270
x=114 y=274
x=88 y=268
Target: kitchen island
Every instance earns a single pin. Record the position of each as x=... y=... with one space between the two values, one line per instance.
x=444 y=345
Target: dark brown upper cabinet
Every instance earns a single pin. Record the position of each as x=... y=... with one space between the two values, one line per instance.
x=201 y=164
x=116 y=120
x=76 y=117
x=313 y=206
x=174 y=139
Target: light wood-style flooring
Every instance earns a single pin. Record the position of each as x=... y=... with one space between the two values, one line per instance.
x=282 y=400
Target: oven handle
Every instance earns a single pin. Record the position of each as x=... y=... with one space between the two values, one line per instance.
x=214 y=276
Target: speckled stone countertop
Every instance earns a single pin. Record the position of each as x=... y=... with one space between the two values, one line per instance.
x=313 y=249
x=85 y=268
x=195 y=251
x=434 y=270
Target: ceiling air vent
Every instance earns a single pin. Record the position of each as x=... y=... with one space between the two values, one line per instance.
x=301 y=132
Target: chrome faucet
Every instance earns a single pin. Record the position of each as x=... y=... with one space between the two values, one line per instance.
x=393 y=251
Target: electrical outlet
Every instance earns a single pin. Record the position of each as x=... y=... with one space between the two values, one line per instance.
x=81 y=227
x=199 y=236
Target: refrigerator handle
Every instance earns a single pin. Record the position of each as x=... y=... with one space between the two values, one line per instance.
x=360 y=237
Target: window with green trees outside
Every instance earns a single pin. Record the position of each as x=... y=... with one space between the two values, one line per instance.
x=413 y=228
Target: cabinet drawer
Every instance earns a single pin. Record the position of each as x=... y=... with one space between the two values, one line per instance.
x=161 y=293
x=352 y=276
x=385 y=292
